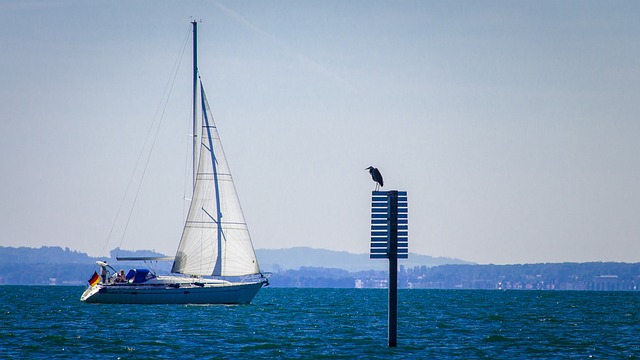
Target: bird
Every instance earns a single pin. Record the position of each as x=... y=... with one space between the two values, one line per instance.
x=376 y=176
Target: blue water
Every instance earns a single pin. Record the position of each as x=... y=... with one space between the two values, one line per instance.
x=51 y=322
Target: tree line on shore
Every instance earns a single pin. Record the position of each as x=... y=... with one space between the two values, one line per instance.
x=609 y=276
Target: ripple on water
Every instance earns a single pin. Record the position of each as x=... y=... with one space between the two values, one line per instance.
x=51 y=322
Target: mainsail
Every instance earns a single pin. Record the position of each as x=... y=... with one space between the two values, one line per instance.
x=215 y=240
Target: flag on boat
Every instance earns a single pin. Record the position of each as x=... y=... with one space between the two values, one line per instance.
x=94 y=279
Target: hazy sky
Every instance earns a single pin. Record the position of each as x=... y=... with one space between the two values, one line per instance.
x=514 y=126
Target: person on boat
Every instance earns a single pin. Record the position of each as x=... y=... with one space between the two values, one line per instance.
x=121 y=278
x=104 y=273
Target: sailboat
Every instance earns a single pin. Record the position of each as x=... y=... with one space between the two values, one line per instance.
x=215 y=262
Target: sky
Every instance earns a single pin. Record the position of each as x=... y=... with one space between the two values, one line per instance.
x=513 y=126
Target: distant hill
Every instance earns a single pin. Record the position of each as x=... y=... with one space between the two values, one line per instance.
x=270 y=259
x=307 y=267
x=43 y=255
x=58 y=255
x=297 y=257
x=55 y=265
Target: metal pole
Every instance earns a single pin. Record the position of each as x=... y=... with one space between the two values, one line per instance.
x=393 y=267
x=195 y=94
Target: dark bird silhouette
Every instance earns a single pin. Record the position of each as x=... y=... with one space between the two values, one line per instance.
x=376 y=176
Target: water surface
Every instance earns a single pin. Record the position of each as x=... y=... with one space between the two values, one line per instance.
x=51 y=322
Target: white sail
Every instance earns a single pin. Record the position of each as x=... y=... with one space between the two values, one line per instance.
x=215 y=240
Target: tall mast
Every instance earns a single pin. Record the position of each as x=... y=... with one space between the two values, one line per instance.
x=195 y=88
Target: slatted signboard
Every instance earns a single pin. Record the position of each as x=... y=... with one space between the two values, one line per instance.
x=390 y=240
x=389 y=225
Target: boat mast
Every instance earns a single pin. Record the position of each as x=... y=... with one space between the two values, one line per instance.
x=195 y=88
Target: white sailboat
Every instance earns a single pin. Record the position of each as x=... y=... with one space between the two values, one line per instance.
x=215 y=262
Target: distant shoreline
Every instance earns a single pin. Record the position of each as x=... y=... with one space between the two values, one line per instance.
x=318 y=268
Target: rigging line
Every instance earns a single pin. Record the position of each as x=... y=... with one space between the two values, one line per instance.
x=124 y=196
x=168 y=89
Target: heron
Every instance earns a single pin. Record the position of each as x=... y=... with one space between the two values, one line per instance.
x=376 y=176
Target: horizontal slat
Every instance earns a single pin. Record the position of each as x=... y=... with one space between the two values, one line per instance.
x=378 y=251
x=379 y=245
x=403 y=256
x=402 y=202
x=384 y=233
x=385 y=215
x=380 y=193
x=386 y=209
x=401 y=222
x=385 y=239
x=384 y=245
x=403 y=251
x=380 y=227
x=383 y=205
x=378 y=256
x=402 y=244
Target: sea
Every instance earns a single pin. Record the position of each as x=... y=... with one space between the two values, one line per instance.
x=50 y=322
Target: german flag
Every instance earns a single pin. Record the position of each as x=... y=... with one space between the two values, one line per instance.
x=94 y=279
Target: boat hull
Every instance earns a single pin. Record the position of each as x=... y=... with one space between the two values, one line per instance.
x=232 y=293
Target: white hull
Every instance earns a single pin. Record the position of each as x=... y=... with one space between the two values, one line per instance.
x=171 y=292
